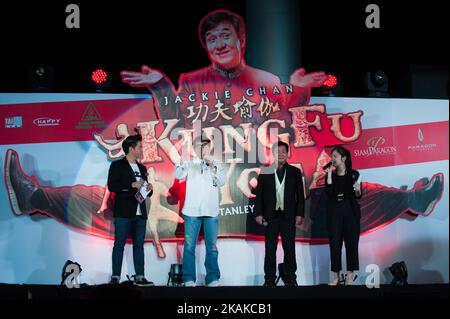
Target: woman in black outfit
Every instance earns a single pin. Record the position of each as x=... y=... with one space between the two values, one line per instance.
x=343 y=213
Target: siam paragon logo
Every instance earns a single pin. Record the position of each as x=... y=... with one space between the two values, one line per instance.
x=376 y=146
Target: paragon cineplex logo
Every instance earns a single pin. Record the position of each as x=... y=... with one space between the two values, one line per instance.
x=376 y=146
x=46 y=121
x=421 y=146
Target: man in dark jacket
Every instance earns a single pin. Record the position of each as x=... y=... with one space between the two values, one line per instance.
x=126 y=178
x=280 y=206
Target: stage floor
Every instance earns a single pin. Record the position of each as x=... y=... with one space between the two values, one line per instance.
x=126 y=290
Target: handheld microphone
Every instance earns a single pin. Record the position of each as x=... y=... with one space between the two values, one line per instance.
x=204 y=165
x=265 y=223
x=328 y=165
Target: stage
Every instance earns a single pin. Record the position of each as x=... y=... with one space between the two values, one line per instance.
x=242 y=293
x=267 y=145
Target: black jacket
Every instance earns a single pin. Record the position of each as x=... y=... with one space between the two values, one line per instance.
x=349 y=192
x=294 y=199
x=120 y=178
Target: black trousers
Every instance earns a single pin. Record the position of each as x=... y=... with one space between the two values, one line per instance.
x=285 y=225
x=343 y=226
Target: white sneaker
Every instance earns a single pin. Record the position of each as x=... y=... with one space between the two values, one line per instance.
x=349 y=280
x=214 y=283
x=189 y=284
x=334 y=282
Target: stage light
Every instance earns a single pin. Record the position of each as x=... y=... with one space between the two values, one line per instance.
x=41 y=78
x=377 y=83
x=99 y=76
x=331 y=86
x=175 y=275
x=71 y=271
x=399 y=273
x=99 y=79
x=331 y=81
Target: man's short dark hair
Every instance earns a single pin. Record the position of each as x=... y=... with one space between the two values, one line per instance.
x=213 y=19
x=278 y=144
x=131 y=141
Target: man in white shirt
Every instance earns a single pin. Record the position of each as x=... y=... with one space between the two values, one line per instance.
x=203 y=177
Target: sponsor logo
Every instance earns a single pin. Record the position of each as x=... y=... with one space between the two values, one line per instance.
x=46 y=121
x=13 y=122
x=376 y=146
x=421 y=146
x=91 y=118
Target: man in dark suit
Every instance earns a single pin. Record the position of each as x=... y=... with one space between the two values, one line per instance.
x=126 y=177
x=279 y=205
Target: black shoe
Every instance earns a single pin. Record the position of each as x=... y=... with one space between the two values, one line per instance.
x=114 y=281
x=291 y=283
x=269 y=283
x=142 y=282
x=423 y=199
x=20 y=187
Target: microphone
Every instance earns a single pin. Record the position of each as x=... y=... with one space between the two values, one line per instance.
x=328 y=165
x=264 y=223
x=203 y=165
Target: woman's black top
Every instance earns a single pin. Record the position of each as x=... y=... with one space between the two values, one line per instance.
x=341 y=189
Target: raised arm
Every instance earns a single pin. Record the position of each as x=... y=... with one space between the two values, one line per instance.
x=159 y=85
x=303 y=83
x=307 y=80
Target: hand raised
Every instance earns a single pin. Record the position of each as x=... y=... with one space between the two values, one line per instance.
x=148 y=76
x=307 y=80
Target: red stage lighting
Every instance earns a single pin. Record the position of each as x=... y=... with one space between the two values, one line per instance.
x=99 y=79
x=331 y=86
x=331 y=81
x=99 y=76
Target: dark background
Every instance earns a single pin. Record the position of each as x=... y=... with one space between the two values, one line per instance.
x=411 y=46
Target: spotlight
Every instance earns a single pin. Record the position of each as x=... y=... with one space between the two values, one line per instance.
x=175 y=275
x=331 y=81
x=399 y=273
x=331 y=86
x=41 y=78
x=377 y=83
x=99 y=79
x=71 y=271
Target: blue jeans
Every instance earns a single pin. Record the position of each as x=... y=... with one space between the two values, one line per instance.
x=123 y=226
x=191 y=229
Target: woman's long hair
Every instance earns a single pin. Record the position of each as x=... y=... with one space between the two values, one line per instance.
x=348 y=159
